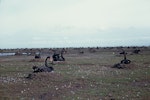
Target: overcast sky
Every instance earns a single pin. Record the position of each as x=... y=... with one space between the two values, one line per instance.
x=74 y=23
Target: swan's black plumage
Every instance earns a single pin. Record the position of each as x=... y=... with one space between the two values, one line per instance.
x=45 y=68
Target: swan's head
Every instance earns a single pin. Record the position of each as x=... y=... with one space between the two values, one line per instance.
x=48 y=56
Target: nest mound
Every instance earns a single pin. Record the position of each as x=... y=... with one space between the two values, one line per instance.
x=52 y=76
x=124 y=66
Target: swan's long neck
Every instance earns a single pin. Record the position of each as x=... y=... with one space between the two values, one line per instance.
x=46 y=62
x=62 y=56
x=125 y=56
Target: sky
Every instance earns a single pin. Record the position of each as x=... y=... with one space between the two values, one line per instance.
x=74 y=23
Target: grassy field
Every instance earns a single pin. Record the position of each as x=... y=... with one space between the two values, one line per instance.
x=87 y=76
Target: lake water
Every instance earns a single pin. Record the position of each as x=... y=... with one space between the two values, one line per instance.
x=12 y=54
x=7 y=54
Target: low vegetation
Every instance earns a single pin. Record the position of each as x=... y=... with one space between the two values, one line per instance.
x=86 y=76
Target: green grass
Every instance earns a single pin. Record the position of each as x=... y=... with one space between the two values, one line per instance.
x=83 y=77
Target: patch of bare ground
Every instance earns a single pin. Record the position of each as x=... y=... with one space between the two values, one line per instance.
x=36 y=60
x=52 y=86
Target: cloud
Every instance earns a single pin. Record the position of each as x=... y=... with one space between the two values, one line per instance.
x=113 y=37
x=42 y=15
x=73 y=22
